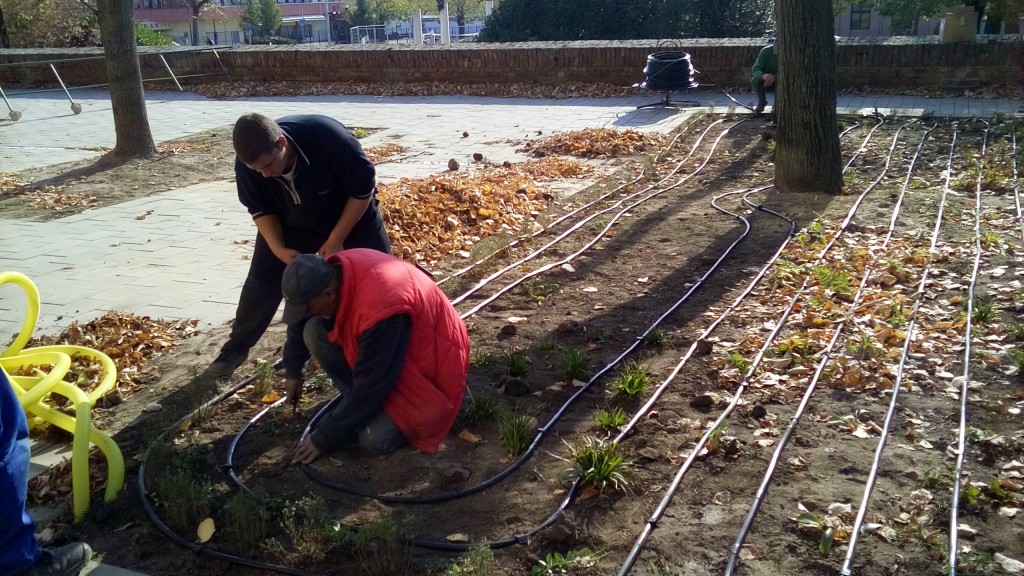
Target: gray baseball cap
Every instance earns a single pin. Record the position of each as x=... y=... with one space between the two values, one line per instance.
x=304 y=279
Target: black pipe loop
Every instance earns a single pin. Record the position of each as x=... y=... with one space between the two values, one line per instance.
x=669 y=72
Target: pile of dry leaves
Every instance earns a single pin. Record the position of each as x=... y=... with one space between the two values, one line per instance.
x=595 y=143
x=129 y=340
x=430 y=218
x=384 y=152
x=10 y=184
x=516 y=90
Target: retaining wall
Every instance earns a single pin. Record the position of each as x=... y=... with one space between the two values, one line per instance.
x=862 y=62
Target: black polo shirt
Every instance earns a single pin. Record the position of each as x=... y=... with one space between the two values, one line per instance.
x=331 y=167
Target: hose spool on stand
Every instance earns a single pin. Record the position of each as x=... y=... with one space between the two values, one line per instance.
x=668 y=71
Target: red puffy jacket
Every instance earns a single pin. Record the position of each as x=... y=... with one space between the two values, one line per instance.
x=428 y=394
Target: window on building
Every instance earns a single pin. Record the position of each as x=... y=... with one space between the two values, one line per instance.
x=860 y=16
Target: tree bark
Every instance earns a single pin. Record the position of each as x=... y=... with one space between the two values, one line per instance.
x=807 y=157
x=131 y=123
x=5 y=40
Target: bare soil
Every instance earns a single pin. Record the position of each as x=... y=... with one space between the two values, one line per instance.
x=648 y=278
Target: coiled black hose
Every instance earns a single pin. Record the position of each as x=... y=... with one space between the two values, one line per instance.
x=669 y=71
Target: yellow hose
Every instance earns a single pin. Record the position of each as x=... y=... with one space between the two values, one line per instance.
x=109 y=369
x=32 y=390
x=32 y=295
x=44 y=385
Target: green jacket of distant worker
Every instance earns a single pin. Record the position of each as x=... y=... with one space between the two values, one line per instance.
x=763 y=74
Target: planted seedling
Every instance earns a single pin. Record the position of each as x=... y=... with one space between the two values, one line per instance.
x=263 y=377
x=612 y=419
x=1016 y=330
x=515 y=433
x=246 y=520
x=572 y=363
x=656 y=338
x=633 y=380
x=983 y=311
x=377 y=548
x=480 y=358
x=596 y=463
x=833 y=280
x=185 y=499
x=555 y=563
x=864 y=348
x=479 y=561
x=539 y=291
x=794 y=346
x=738 y=361
x=481 y=408
x=990 y=240
x=516 y=363
x=783 y=272
x=311 y=535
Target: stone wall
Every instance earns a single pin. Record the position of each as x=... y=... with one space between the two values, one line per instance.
x=862 y=62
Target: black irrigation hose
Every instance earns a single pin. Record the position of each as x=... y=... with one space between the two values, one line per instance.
x=597 y=238
x=659 y=511
x=169 y=532
x=568 y=214
x=577 y=484
x=456 y=301
x=961 y=446
x=229 y=465
x=541 y=432
x=440 y=546
x=826 y=355
x=847 y=568
x=522 y=538
x=666 y=500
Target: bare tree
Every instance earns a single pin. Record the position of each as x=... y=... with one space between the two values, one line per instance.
x=131 y=123
x=807 y=157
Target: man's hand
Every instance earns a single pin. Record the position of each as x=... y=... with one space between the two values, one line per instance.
x=769 y=79
x=305 y=452
x=293 y=391
x=330 y=248
x=286 y=255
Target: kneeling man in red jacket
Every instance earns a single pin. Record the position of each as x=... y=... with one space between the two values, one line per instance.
x=392 y=344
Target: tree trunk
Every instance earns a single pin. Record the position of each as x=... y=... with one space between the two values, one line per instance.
x=5 y=40
x=195 y=25
x=807 y=157
x=131 y=124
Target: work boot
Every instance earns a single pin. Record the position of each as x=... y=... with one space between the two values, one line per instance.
x=224 y=365
x=760 y=108
x=64 y=561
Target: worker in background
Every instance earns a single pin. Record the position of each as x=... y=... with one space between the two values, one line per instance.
x=763 y=73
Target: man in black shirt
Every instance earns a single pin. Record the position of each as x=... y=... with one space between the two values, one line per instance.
x=310 y=189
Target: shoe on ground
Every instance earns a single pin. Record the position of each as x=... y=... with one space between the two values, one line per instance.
x=64 y=561
x=225 y=365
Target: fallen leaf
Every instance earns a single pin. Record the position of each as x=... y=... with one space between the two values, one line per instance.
x=205 y=530
x=470 y=437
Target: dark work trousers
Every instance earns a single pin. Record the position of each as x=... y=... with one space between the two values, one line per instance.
x=757 y=85
x=261 y=292
x=18 y=548
x=380 y=435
